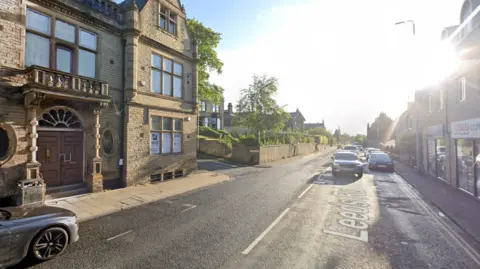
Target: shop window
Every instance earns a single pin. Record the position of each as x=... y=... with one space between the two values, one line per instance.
x=465 y=164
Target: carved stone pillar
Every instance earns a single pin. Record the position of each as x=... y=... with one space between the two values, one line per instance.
x=32 y=178
x=96 y=180
x=32 y=102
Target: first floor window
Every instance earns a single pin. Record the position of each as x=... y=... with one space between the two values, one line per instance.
x=166 y=135
x=86 y=63
x=218 y=124
x=64 y=59
x=462 y=90
x=205 y=122
x=37 y=50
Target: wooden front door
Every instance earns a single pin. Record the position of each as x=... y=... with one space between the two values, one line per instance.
x=61 y=157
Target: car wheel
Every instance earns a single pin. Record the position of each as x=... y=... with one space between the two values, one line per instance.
x=359 y=176
x=49 y=243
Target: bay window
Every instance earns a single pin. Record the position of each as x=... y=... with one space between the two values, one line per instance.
x=42 y=40
x=166 y=135
x=166 y=76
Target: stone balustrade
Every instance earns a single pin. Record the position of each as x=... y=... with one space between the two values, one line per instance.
x=61 y=81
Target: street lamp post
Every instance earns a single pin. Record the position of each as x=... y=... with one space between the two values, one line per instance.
x=418 y=151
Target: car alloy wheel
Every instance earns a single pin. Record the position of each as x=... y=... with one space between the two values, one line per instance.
x=49 y=243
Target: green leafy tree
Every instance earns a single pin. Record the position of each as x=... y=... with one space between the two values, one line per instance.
x=361 y=139
x=207 y=41
x=321 y=131
x=258 y=110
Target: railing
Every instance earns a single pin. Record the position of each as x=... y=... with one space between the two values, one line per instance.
x=106 y=7
x=57 y=80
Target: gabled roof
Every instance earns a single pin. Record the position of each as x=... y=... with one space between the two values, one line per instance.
x=295 y=114
x=127 y=3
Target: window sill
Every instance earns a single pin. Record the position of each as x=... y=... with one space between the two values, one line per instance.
x=155 y=94
x=167 y=32
x=168 y=154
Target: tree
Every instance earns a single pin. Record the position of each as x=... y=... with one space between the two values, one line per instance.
x=321 y=131
x=258 y=110
x=207 y=41
x=361 y=139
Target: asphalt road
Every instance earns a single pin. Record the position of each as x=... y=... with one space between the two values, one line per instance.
x=290 y=216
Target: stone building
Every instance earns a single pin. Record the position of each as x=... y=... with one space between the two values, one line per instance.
x=211 y=114
x=447 y=115
x=94 y=95
x=296 y=122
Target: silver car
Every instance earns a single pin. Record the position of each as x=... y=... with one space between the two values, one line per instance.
x=42 y=232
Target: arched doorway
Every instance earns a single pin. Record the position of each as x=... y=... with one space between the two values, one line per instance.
x=60 y=146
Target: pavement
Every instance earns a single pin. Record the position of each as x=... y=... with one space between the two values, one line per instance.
x=93 y=205
x=462 y=208
x=294 y=215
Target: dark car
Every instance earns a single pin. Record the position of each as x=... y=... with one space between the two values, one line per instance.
x=41 y=232
x=347 y=162
x=380 y=161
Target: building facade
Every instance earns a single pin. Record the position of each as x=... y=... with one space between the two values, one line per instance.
x=449 y=115
x=296 y=122
x=211 y=114
x=94 y=94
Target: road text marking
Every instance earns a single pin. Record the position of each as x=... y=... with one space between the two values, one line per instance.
x=262 y=235
x=305 y=191
x=116 y=236
x=354 y=213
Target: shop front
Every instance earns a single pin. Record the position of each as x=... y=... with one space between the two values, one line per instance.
x=467 y=151
x=436 y=151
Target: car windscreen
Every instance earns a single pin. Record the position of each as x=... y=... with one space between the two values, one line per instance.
x=380 y=157
x=345 y=156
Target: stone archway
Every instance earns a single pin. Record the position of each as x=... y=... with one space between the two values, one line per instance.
x=60 y=146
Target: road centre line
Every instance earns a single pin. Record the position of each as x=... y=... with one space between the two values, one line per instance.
x=118 y=235
x=305 y=191
x=262 y=235
x=474 y=255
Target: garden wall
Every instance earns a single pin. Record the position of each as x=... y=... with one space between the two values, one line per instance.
x=214 y=148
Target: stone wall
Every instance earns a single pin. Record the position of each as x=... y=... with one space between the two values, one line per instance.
x=214 y=148
x=140 y=164
x=12 y=120
x=244 y=154
x=12 y=32
x=278 y=152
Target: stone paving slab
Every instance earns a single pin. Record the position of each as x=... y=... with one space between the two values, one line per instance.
x=93 y=205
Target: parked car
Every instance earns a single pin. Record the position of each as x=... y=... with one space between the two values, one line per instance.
x=347 y=162
x=41 y=232
x=370 y=150
x=380 y=161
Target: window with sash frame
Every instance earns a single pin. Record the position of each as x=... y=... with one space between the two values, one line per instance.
x=167 y=76
x=166 y=135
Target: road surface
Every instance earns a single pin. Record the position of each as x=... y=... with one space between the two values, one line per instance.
x=290 y=216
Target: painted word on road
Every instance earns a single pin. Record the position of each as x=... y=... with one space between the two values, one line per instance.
x=354 y=211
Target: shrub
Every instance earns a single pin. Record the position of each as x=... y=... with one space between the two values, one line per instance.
x=209 y=132
x=249 y=140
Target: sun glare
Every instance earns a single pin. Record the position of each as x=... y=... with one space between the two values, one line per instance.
x=440 y=61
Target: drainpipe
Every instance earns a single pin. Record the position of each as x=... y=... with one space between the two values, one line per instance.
x=122 y=112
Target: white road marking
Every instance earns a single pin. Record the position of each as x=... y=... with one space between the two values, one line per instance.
x=262 y=235
x=305 y=191
x=453 y=234
x=189 y=207
x=168 y=202
x=116 y=236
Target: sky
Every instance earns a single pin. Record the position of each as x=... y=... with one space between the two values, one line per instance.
x=339 y=61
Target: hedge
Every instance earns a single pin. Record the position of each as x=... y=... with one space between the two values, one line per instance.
x=209 y=132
